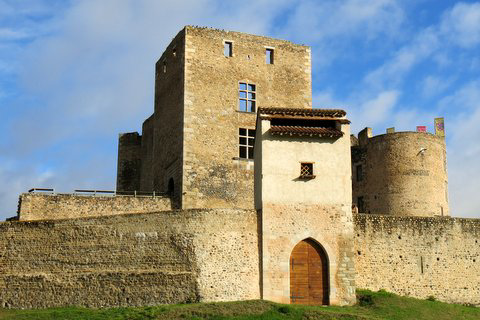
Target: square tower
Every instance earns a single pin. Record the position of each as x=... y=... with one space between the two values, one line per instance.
x=303 y=191
x=208 y=85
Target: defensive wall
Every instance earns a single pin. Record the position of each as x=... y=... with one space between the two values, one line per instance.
x=419 y=256
x=402 y=173
x=213 y=255
x=130 y=260
x=38 y=206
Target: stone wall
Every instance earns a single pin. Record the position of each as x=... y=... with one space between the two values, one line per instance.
x=403 y=173
x=130 y=260
x=63 y=206
x=419 y=256
x=129 y=161
x=214 y=175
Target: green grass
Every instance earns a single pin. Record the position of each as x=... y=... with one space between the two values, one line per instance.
x=371 y=305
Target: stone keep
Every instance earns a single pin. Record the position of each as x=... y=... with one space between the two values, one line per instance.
x=208 y=84
x=303 y=190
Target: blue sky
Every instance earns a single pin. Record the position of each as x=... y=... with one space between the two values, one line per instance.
x=73 y=74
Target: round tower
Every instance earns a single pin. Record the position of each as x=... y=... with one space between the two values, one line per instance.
x=403 y=173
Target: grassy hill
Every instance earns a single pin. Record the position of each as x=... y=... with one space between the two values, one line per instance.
x=371 y=305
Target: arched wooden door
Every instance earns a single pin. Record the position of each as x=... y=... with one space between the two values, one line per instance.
x=308 y=274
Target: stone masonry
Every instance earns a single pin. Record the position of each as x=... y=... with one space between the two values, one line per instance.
x=197 y=116
x=35 y=206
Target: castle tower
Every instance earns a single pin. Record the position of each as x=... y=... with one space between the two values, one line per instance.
x=303 y=191
x=402 y=173
x=208 y=84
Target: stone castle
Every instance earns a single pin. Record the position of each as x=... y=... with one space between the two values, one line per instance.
x=238 y=189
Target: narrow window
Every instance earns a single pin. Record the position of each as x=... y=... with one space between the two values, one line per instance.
x=246 y=141
x=360 y=205
x=306 y=170
x=247 y=97
x=174 y=52
x=228 y=49
x=359 y=170
x=164 y=66
x=269 y=56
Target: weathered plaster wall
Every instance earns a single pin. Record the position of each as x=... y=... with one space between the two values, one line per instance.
x=62 y=206
x=419 y=256
x=294 y=209
x=213 y=174
x=134 y=259
x=399 y=178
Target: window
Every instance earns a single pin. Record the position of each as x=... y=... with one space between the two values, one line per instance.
x=306 y=170
x=247 y=97
x=361 y=205
x=164 y=66
x=359 y=170
x=269 y=56
x=246 y=140
x=228 y=49
x=174 y=52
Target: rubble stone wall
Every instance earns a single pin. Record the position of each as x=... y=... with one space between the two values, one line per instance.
x=130 y=260
x=419 y=256
x=65 y=206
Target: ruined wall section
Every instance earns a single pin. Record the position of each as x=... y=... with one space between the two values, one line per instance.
x=66 y=206
x=419 y=256
x=214 y=176
x=130 y=260
x=168 y=119
x=129 y=161
x=404 y=173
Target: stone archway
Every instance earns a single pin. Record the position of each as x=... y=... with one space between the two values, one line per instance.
x=309 y=279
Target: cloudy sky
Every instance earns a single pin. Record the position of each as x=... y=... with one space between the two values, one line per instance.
x=73 y=74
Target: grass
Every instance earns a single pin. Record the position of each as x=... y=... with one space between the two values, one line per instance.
x=371 y=305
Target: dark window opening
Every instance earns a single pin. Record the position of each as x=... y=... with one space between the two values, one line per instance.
x=306 y=170
x=171 y=187
x=228 y=49
x=174 y=52
x=303 y=123
x=247 y=96
x=164 y=66
x=246 y=142
x=269 y=56
x=359 y=170
x=360 y=204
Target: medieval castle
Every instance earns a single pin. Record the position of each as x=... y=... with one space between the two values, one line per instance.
x=238 y=189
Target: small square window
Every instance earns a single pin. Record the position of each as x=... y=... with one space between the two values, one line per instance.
x=228 y=49
x=269 y=56
x=306 y=170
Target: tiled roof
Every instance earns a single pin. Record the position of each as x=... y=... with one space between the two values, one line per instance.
x=306 y=131
x=279 y=116
x=335 y=113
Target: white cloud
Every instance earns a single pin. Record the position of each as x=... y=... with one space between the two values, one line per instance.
x=433 y=85
x=461 y=25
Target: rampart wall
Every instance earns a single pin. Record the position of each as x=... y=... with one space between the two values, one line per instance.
x=128 y=260
x=419 y=256
x=62 y=206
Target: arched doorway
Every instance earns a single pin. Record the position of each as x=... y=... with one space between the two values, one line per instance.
x=308 y=274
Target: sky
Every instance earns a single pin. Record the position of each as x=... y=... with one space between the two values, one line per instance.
x=74 y=74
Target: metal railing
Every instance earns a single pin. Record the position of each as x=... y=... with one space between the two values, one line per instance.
x=94 y=193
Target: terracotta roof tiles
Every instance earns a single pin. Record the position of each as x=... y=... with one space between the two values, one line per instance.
x=306 y=131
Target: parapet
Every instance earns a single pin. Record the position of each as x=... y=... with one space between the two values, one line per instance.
x=54 y=206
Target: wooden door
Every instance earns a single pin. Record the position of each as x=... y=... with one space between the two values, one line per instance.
x=308 y=274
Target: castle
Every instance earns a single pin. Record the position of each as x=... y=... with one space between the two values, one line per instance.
x=237 y=189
